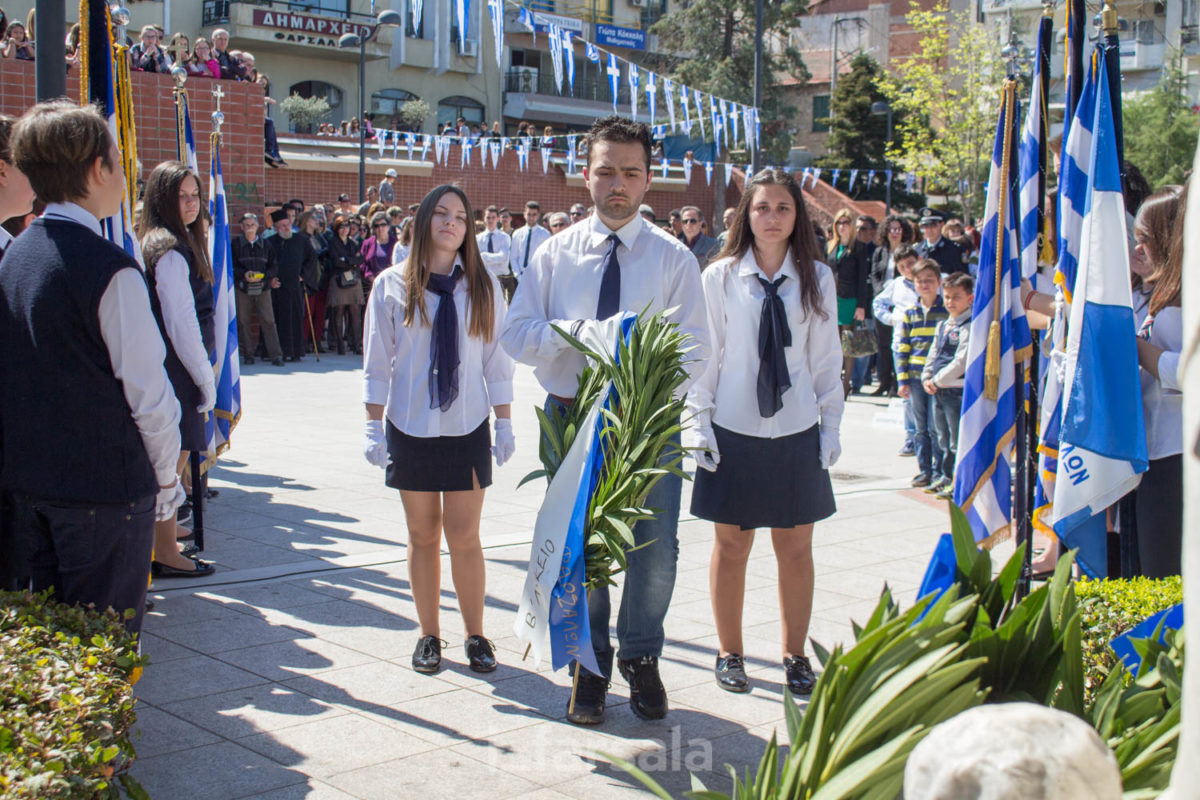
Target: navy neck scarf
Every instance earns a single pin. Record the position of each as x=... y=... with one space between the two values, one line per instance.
x=443 y=343
x=773 y=336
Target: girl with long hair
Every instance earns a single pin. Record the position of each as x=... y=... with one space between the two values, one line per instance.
x=847 y=257
x=768 y=410
x=180 y=278
x=434 y=365
x=1158 y=507
x=895 y=232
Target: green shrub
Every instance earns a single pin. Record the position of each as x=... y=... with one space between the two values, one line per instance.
x=1112 y=607
x=66 y=701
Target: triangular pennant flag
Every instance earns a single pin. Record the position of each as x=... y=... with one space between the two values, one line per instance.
x=728 y=173
x=380 y=140
x=708 y=166
x=853 y=178
x=633 y=89
x=685 y=100
x=409 y=141
x=424 y=145
x=614 y=78
x=734 y=116
x=545 y=159
x=571 y=145
x=395 y=143
x=748 y=126
x=494 y=148
x=870 y=177
x=716 y=122
x=816 y=177
x=837 y=173
x=665 y=165
x=696 y=95
x=465 y=156
x=651 y=93
x=669 y=90
x=724 y=110
x=687 y=169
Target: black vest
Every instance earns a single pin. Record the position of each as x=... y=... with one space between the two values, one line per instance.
x=205 y=305
x=67 y=431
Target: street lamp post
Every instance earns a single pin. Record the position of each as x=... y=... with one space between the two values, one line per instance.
x=879 y=108
x=388 y=17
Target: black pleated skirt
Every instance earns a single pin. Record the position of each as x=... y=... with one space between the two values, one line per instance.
x=765 y=483
x=439 y=463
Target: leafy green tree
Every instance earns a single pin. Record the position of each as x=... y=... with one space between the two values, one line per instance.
x=718 y=35
x=305 y=112
x=858 y=138
x=1162 y=142
x=948 y=91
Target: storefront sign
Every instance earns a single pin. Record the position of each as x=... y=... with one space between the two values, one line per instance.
x=303 y=29
x=612 y=36
x=542 y=22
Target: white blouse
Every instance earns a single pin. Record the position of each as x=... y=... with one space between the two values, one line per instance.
x=726 y=393
x=179 y=316
x=396 y=361
x=1162 y=399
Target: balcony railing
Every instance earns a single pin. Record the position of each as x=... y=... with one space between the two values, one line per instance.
x=216 y=12
x=542 y=82
x=585 y=10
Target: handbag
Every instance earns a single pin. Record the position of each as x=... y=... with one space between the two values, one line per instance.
x=347 y=278
x=857 y=341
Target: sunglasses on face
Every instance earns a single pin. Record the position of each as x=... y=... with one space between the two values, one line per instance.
x=380 y=225
x=691 y=222
x=576 y=213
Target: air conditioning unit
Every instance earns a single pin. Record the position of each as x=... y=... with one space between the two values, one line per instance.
x=638 y=3
x=523 y=80
x=469 y=48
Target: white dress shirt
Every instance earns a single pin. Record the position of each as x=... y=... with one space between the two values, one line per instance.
x=562 y=285
x=1162 y=399
x=396 y=361
x=399 y=253
x=497 y=260
x=525 y=242
x=136 y=350
x=179 y=316
x=5 y=240
x=726 y=394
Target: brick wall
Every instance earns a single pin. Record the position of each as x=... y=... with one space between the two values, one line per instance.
x=505 y=186
x=154 y=118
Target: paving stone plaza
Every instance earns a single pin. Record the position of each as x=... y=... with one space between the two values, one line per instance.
x=287 y=674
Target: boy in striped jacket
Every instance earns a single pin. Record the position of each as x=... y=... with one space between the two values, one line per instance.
x=943 y=375
x=914 y=336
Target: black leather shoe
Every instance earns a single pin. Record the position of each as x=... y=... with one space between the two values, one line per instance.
x=731 y=673
x=800 y=676
x=587 y=705
x=647 y=697
x=247 y=360
x=481 y=656
x=427 y=658
x=880 y=391
x=201 y=569
x=277 y=362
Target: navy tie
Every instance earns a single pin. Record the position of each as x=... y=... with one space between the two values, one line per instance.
x=443 y=341
x=773 y=336
x=610 y=281
x=490 y=235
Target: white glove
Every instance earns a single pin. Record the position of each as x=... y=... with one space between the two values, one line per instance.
x=168 y=502
x=208 y=398
x=506 y=443
x=703 y=445
x=375 y=448
x=831 y=448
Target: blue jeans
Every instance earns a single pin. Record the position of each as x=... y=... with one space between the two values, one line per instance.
x=947 y=408
x=929 y=456
x=649 y=582
x=910 y=424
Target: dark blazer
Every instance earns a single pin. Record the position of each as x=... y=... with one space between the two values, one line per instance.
x=253 y=256
x=703 y=248
x=851 y=271
x=341 y=256
x=946 y=253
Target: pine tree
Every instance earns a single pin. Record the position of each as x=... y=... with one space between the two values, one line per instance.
x=718 y=35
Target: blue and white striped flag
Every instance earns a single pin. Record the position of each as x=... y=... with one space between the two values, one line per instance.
x=614 y=79
x=101 y=89
x=669 y=99
x=696 y=95
x=415 y=7
x=1103 y=449
x=462 y=9
x=525 y=17
x=591 y=53
x=568 y=49
x=634 y=82
x=496 y=13
x=1033 y=160
x=228 y=410
x=554 y=600
x=651 y=94
x=999 y=335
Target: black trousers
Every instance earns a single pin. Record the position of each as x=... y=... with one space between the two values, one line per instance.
x=89 y=554
x=289 y=319
x=883 y=357
x=1159 y=510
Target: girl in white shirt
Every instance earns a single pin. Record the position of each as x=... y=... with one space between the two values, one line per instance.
x=181 y=294
x=1158 y=506
x=767 y=410
x=434 y=364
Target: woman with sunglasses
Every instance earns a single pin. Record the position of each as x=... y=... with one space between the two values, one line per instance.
x=377 y=249
x=432 y=374
x=768 y=410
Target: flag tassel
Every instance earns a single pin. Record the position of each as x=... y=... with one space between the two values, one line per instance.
x=991 y=367
x=991 y=372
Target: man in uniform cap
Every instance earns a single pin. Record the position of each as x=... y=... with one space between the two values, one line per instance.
x=947 y=254
x=387 y=192
x=294 y=257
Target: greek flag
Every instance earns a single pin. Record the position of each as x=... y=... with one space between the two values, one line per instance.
x=228 y=411
x=651 y=94
x=556 y=56
x=1103 y=449
x=1073 y=186
x=999 y=342
x=734 y=114
x=669 y=92
x=568 y=50
x=101 y=88
x=614 y=78
x=496 y=13
x=554 y=600
x=462 y=9
x=1033 y=160
x=591 y=53
x=634 y=81
x=696 y=95
x=525 y=17
x=415 y=7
